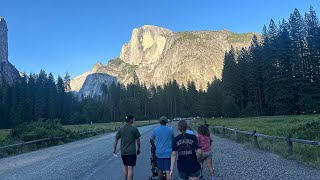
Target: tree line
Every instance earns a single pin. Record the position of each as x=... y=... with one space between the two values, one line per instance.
x=35 y=97
x=278 y=74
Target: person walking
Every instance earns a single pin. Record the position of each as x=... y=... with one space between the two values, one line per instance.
x=161 y=138
x=186 y=147
x=205 y=143
x=130 y=136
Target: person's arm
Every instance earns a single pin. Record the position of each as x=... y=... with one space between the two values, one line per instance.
x=137 y=136
x=116 y=139
x=198 y=150
x=199 y=155
x=138 y=144
x=115 y=145
x=173 y=160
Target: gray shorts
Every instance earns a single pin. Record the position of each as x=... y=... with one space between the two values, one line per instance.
x=205 y=155
x=184 y=175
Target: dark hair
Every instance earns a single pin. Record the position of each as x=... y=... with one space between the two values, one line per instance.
x=129 y=118
x=163 y=120
x=204 y=130
x=182 y=126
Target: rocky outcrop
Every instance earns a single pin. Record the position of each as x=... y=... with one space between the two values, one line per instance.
x=8 y=73
x=147 y=45
x=155 y=55
x=93 y=83
x=77 y=82
x=3 y=40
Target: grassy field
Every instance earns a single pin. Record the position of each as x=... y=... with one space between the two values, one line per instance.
x=298 y=126
x=273 y=125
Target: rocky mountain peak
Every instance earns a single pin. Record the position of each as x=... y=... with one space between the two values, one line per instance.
x=8 y=72
x=146 y=45
x=3 y=40
x=96 y=67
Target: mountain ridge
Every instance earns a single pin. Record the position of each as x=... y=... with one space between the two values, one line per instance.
x=155 y=55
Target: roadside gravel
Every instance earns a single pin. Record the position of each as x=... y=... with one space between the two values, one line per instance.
x=237 y=161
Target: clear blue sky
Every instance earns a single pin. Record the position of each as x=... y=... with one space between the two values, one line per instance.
x=72 y=35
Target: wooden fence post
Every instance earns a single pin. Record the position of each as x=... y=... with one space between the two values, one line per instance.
x=223 y=131
x=255 y=139
x=289 y=143
x=236 y=134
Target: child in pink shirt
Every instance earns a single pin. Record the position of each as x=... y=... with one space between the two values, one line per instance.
x=205 y=142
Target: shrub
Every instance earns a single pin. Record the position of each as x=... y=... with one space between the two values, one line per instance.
x=38 y=130
x=309 y=131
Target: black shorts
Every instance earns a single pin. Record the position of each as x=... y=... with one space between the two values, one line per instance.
x=129 y=160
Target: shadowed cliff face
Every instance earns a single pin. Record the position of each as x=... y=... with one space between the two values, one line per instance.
x=3 y=41
x=93 y=83
x=155 y=55
x=8 y=73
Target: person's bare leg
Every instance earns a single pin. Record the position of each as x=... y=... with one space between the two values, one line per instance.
x=160 y=175
x=210 y=166
x=130 y=172
x=125 y=171
x=167 y=175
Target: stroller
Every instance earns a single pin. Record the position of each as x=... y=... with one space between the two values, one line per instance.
x=153 y=162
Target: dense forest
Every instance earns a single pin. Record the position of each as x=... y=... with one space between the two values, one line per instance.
x=278 y=74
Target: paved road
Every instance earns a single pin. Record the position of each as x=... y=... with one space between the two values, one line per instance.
x=87 y=159
x=91 y=159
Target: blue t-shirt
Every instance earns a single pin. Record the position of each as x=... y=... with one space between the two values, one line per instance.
x=163 y=136
x=186 y=146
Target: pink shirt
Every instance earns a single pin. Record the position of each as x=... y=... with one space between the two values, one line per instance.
x=204 y=142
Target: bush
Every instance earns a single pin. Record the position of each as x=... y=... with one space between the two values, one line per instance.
x=38 y=130
x=309 y=131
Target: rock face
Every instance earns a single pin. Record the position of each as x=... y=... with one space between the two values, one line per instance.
x=3 y=40
x=93 y=82
x=8 y=73
x=146 y=45
x=155 y=55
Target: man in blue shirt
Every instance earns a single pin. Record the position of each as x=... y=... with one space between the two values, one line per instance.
x=162 y=139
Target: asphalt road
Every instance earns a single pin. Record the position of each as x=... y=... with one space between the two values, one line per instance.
x=92 y=159
x=87 y=159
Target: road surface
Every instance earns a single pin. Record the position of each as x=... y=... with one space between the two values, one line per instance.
x=92 y=159
x=87 y=159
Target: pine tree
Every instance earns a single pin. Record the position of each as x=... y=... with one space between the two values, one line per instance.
x=313 y=58
x=297 y=35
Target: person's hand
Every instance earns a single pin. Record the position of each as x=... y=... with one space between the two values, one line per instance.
x=171 y=174
x=138 y=151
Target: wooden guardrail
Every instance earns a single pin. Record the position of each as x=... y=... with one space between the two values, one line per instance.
x=45 y=139
x=254 y=135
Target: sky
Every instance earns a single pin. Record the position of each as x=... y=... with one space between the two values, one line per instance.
x=62 y=36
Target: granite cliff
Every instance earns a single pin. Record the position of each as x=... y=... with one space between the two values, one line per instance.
x=155 y=55
x=8 y=73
